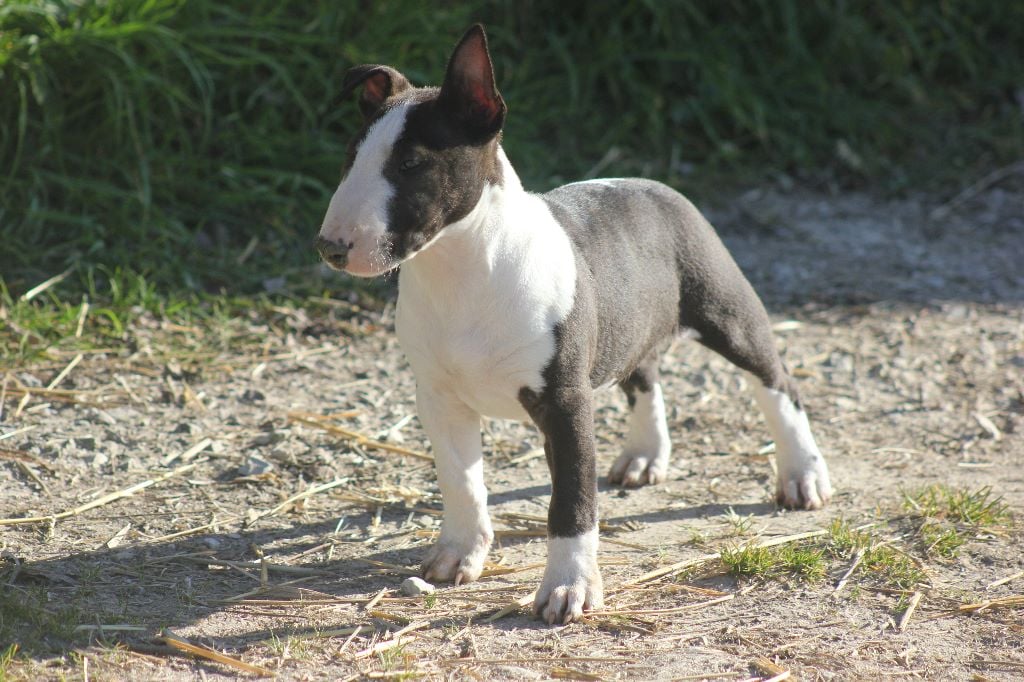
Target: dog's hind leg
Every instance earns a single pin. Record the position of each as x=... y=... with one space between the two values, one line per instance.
x=731 y=320
x=644 y=458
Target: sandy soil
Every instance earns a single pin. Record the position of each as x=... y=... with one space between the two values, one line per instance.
x=906 y=330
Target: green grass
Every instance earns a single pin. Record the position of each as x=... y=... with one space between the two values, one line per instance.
x=123 y=311
x=881 y=561
x=948 y=518
x=29 y=624
x=801 y=561
x=165 y=139
x=942 y=521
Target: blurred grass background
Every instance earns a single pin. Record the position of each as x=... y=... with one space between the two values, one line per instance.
x=175 y=147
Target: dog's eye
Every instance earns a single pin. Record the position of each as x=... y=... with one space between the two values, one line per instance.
x=410 y=163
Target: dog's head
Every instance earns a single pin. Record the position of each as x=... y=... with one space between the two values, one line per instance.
x=419 y=164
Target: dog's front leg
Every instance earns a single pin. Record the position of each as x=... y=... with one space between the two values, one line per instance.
x=466 y=535
x=572 y=581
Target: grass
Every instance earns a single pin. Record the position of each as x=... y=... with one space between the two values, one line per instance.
x=194 y=144
x=29 y=624
x=799 y=560
x=948 y=518
x=122 y=310
x=881 y=562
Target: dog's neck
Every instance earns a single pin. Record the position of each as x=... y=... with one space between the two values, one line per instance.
x=478 y=239
x=505 y=265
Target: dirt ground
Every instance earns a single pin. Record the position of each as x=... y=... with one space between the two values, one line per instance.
x=904 y=325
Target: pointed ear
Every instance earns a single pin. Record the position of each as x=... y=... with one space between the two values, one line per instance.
x=469 y=93
x=379 y=82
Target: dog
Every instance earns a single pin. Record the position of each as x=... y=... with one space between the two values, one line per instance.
x=518 y=305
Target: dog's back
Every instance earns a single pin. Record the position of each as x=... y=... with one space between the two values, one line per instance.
x=661 y=268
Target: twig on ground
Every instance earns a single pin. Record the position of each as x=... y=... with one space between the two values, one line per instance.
x=901 y=624
x=1003 y=581
x=175 y=642
x=21 y=456
x=857 y=558
x=43 y=286
x=64 y=372
x=657 y=612
x=3 y=396
x=124 y=384
x=361 y=439
x=991 y=604
x=511 y=608
x=537 y=659
x=189 y=454
x=28 y=471
x=196 y=529
x=83 y=312
x=315 y=490
x=766 y=666
x=99 y=502
x=396 y=640
x=374 y=599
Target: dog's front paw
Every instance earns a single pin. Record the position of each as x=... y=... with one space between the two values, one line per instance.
x=458 y=562
x=572 y=580
x=803 y=482
x=633 y=469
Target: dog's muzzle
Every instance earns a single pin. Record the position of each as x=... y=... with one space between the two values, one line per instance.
x=334 y=253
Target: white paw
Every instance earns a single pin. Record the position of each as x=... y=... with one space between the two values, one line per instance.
x=636 y=469
x=572 y=581
x=644 y=459
x=458 y=562
x=803 y=482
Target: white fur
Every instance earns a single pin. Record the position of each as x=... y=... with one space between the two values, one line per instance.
x=644 y=458
x=803 y=479
x=476 y=314
x=604 y=182
x=454 y=432
x=357 y=213
x=477 y=309
x=572 y=579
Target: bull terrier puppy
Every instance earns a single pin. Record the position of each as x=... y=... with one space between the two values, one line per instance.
x=518 y=305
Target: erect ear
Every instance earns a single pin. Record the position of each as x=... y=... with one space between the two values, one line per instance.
x=379 y=82
x=469 y=93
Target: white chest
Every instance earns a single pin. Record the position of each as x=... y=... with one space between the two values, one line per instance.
x=477 y=309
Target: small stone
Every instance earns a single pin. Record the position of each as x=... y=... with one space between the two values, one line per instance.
x=255 y=465
x=413 y=587
x=251 y=395
x=266 y=439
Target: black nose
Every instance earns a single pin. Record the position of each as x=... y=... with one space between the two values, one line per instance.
x=334 y=253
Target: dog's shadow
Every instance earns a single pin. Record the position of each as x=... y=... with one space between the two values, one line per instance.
x=185 y=581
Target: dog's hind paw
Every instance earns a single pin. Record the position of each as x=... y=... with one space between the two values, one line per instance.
x=632 y=470
x=449 y=562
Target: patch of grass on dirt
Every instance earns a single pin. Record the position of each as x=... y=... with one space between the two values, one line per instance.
x=978 y=508
x=121 y=311
x=948 y=518
x=32 y=625
x=888 y=565
x=6 y=658
x=802 y=561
